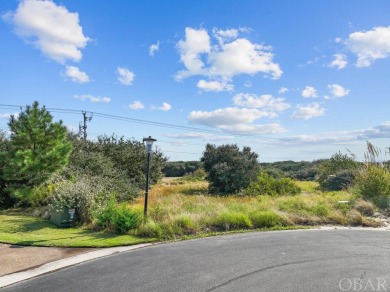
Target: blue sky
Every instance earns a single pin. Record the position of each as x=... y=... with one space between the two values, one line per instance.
x=295 y=80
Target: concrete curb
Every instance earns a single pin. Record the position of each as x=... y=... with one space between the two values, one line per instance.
x=63 y=263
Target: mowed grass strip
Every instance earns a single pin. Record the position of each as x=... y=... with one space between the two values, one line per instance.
x=20 y=229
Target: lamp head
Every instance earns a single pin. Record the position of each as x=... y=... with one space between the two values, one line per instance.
x=149 y=143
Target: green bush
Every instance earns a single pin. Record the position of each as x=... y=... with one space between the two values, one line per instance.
x=265 y=219
x=183 y=225
x=320 y=210
x=126 y=218
x=150 y=229
x=120 y=218
x=267 y=185
x=231 y=221
x=373 y=184
x=89 y=194
x=338 y=172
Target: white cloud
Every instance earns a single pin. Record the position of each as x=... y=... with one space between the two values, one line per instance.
x=126 y=77
x=236 y=120
x=339 y=61
x=370 y=45
x=196 y=42
x=266 y=102
x=309 y=111
x=165 y=107
x=283 y=90
x=228 y=57
x=92 y=98
x=154 y=48
x=50 y=28
x=76 y=75
x=227 y=116
x=243 y=57
x=309 y=92
x=337 y=90
x=215 y=85
x=136 y=105
x=223 y=36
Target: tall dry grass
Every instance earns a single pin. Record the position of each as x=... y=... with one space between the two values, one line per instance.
x=178 y=209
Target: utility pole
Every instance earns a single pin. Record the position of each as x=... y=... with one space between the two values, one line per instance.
x=387 y=151
x=83 y=127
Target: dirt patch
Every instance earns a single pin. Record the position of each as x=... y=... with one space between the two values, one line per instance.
x=15 y=258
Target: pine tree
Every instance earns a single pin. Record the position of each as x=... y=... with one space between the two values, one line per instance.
x=38 y=148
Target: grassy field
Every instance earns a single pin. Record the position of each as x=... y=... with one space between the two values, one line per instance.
x=180 y=210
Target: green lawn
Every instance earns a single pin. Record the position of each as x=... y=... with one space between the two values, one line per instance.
x=17 y=228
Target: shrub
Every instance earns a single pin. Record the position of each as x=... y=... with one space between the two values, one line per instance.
x=231 y=220
x=184 y=225
x=149 y=229
x=121 y=218
x=320 y=210
x=265 y=219
x=126 y=218
x=373 y=183
x=364 y=207
x=229 y=170
x=338 y=172
x=88 y=194
x=266 y=185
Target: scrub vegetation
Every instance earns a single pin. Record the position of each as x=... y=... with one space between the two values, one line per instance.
x=228 y=190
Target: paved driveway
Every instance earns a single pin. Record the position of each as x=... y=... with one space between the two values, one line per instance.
x=311 y=260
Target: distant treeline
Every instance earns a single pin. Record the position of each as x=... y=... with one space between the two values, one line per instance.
x=302 y=170
x=180 y=168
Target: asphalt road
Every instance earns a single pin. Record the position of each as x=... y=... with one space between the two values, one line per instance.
x=312 y=260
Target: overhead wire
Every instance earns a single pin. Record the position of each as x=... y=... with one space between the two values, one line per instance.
x=145 y=122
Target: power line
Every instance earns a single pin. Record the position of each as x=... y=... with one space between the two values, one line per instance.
x=141 y=121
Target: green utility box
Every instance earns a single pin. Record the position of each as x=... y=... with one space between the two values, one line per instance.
x=63 y=218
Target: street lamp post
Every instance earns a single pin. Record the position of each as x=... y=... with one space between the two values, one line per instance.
x=149 y=143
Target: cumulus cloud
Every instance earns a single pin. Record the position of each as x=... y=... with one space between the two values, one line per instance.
x=125 y=76
x=283 y=90
x=76 y=75
x=154 y=48
x=337 y=90
x=223 y=36
x=136 y=105
x=235 y=120
x=266 y=102
x=309 y=111
x=309 y=92
x=227 y=57
x=51 y=28
x=196 y=42
x=215 y=86
x=226 y=116
x=92 y=98
x=370 y=45
x=164 y=107
x=339 y=61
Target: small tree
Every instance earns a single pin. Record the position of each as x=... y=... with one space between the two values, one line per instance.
x=229 y=170
x=38 y=148
x=338 y=172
